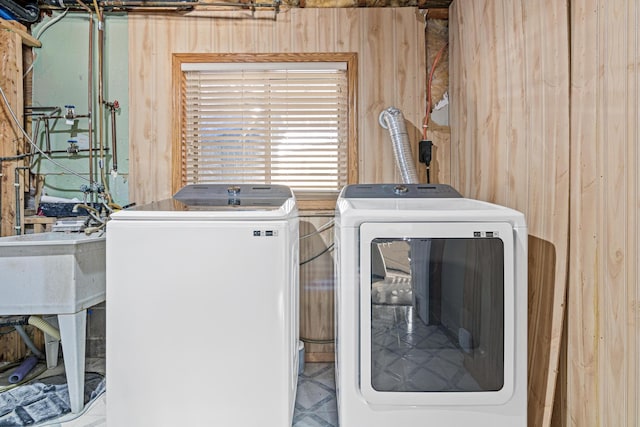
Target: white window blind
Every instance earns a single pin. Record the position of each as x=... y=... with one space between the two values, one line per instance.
x=273 y=124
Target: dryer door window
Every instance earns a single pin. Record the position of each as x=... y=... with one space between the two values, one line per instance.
x=436 y=305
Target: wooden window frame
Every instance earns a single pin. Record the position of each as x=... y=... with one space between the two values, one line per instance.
x=178 y=155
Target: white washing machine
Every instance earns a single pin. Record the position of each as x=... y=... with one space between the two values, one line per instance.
x=431 y=309
x=202 y=309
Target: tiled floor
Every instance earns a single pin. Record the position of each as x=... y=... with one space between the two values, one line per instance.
x=316 y=397
x=315 y=400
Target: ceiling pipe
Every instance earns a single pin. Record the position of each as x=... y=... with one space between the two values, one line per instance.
x=64 y=4
x=184 y=5
x=28 y=13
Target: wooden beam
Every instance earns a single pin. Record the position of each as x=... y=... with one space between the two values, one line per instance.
x=17 y=28
x=436 y=13
x=433 y=4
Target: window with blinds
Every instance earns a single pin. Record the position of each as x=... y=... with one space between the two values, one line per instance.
x=266 y=122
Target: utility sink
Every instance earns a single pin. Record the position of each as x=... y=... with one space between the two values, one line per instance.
x=60 y=274
x=51 y=273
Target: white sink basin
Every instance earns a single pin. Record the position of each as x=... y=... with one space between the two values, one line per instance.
x=51 y=273
x=55 y=273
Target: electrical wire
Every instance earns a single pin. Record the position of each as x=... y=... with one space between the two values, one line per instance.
x=324 y=227
x=327 y=249
x=30 y=141
x=429 y=82
x=44 y=28
x=52 y=22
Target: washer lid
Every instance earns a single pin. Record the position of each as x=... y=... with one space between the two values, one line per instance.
x=221 y=201
x=208 y=195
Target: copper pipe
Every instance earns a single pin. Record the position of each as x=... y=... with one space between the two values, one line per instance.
x=101 y=93
x=90 y=92
x=114 y=156
x=90 y=100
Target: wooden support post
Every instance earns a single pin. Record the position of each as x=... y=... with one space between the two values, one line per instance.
x=12 y=348
x=11 y=139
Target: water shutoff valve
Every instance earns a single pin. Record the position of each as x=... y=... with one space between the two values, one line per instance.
x=70 y=114
x=72 y=148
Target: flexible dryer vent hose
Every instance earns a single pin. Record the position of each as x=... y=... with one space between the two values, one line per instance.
x=44 y=326
x=393 y=120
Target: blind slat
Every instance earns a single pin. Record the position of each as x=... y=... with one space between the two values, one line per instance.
x=273 y=126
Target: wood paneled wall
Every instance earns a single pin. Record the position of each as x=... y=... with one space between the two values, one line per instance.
x=390 y=45
x=516 y=144
x=391 y=60
x=509 y=86
x=603 y=387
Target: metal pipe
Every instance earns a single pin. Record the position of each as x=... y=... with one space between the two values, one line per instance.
x=113 y=108
x=114 y=158
x=75 y=116
x=101 y=29
x=35 y=129
x=16 y=184
x=33 y=110
x=18 y=157
x=183 y=5
x=20 y=320
x=90 y=92
x=81 y=150
x=5 y=159
x=71 y=3
x=38 y=112
x=90 y=100
x=47 y=135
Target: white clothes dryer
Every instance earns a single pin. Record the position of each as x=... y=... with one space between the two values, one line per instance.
x=202 y=309
x=431 y=309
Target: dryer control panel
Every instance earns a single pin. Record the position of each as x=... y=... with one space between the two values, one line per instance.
x=400 y=191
